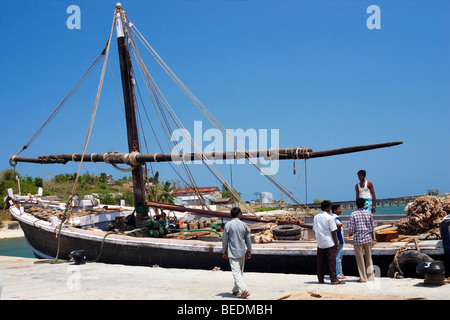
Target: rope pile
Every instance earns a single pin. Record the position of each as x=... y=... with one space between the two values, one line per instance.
x=265 y=236
x=290 y=219
x=45 y=213
x=424 y=215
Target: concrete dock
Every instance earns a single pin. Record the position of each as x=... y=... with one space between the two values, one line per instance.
x=31 y=279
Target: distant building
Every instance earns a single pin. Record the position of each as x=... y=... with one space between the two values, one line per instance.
x=433 y=192
x=190 y=196
x=222 y=201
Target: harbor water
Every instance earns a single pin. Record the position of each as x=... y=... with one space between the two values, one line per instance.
x=15 y=247
x=386 y=210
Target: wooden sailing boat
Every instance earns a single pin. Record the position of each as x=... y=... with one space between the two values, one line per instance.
x=55 y=238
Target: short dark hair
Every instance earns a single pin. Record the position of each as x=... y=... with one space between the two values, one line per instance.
x=325 y=204
x=235 y=212
x=360 y=202
x=363 y=172
x=334 y=206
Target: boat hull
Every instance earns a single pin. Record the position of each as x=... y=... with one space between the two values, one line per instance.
x=278 y=256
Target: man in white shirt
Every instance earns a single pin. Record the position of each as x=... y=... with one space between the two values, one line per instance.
x=325 y=229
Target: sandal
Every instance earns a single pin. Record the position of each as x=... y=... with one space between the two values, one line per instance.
x=338 y=282
x=245 y=294
x=237 y=293
x=361 y=281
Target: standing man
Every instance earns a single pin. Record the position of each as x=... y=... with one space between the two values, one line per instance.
x=364 y=189
x=361 y=226
x=327 y=245
x=237 y=246
x=336 y=212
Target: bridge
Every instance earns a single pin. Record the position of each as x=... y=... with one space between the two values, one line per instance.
x=386 y=202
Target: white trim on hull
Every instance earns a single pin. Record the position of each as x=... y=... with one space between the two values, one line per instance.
x=38 y=253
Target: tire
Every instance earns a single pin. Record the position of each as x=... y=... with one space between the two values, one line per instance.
x=259 y=229
x=287 y=230
x=408 y=261
x=296 y=237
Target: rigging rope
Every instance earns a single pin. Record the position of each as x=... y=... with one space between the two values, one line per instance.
x=157 y=101
x=157 y=97
x=94 y=111
x=63 y=102
x=160 y=99
x=214 y=121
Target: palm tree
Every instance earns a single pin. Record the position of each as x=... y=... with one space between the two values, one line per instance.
x=103 y=177
x=161 y=191
x=153 y=181
x=167 y=195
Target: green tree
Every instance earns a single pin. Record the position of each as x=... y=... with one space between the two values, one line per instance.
x=319 y=200
x=10 y=174
x=167 y=195
x=103 y=177
x=226 y=193
x=38 y=182
x=161 y=191
x=89 y=178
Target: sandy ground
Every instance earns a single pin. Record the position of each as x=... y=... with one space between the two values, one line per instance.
x=23 y=279
x=11 y=233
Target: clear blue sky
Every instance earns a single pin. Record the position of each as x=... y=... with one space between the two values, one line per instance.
x=311 y=69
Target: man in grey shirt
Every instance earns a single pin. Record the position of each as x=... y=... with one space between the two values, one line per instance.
x=237 y=246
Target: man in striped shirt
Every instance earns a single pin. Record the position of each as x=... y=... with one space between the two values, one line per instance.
x=361 y=226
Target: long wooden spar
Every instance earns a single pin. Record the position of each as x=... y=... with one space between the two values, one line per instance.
x=135 y=158
x=219 y=214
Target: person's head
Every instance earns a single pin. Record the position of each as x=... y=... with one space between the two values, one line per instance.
x=336 y=208
x=325 y=206
x=362 y=175
x=360 y=202
x=235 y=212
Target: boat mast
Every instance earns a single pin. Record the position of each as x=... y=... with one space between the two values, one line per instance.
x=137 y=160
x=140 y=202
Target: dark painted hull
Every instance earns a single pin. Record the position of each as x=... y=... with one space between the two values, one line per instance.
x=277 y=257
x=45 y=245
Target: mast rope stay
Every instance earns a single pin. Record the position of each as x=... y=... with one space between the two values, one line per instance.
x=158 y=100
x=62 y=103
x=94 y=111
x=215 y=122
